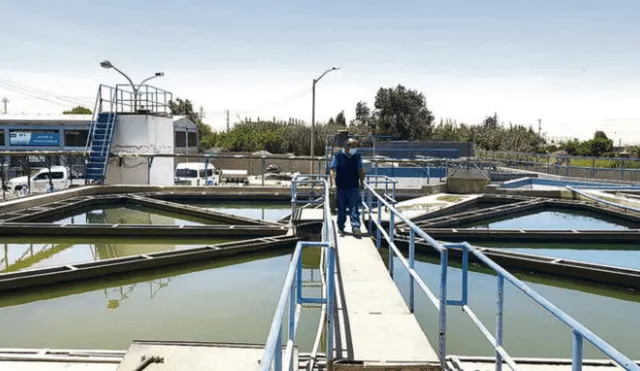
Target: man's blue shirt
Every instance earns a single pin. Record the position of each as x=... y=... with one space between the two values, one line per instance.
x=347 y=169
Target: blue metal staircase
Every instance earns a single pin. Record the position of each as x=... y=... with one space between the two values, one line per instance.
x=99 y=146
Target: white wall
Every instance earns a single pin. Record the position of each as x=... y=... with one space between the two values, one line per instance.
x=142 y=134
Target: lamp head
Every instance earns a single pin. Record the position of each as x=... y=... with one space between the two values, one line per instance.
x=106 y=64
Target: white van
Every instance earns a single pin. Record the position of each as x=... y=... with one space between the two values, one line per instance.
x=194 y=174
x=59 y=177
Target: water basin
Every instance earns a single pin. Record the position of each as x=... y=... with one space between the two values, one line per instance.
x=20 y=253
x=225 y=301
x=132 y=215
x=552 y=220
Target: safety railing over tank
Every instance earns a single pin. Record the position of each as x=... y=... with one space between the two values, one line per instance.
x=579 y=331
x=614 y=205
x=292 y=300
x=369 y=196
x=145 y=99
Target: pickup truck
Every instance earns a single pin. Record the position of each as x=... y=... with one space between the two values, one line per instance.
x=61 y=178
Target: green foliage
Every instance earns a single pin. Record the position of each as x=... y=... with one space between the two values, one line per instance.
x=490 y=135
x=403 y=112
x=598 y=146
x=79 y=110
x=272 y=137
x=399 y=112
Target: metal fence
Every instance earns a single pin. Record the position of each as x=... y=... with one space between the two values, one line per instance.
x=612 y=168
x=246 y=170
x=373 y=199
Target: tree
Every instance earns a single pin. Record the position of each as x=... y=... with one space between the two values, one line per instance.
x=79 y=110
x=403 y=113
x=363 y=123
x=600 y=144
x=340 y=120
x=185 y=108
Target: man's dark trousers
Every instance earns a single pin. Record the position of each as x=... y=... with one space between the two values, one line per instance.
x=349 y=199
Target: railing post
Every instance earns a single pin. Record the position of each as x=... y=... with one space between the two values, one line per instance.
x=293 y=301
x=442 y=336
x=298 y=280
x=378 y=233
x=277 y=362
x=370 y=206
x=499 y=323
x=465 y=273
x=412 y=258
x=576 y=359
x=330 y=303
x=391 y=230
x=393 y=190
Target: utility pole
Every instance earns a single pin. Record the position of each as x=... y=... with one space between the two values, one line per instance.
x=313 y=112
x=201 y=113
x=539 y=127
x=228 y=121
x=5 y=100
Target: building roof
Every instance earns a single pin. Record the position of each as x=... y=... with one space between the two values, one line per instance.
x=48 y=119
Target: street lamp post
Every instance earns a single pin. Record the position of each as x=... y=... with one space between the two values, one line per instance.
x=313 y=111
x=107 y=65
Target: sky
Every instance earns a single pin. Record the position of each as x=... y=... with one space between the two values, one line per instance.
x=574 y=64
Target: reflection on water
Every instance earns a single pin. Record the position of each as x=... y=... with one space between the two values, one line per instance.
x=551 y=220
x=132 y=215
x=618 y=258
x=18 y=254
x=225 y=301
x=619 y=255
x=528 y=329
x=269 y=212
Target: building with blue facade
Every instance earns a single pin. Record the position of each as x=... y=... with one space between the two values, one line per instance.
x=66 y=133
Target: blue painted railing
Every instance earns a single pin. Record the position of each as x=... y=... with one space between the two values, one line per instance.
x=525 y=181
x=579 y=331
x=605 y=202
x=292 y=296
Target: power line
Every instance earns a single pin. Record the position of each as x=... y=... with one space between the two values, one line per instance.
x=35 y=96
x=41 y=92
x=286 y=100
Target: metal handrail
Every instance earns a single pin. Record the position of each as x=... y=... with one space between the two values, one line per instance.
x=579 y=331
x=609 y=203
x=292 y=290
x=439 y=302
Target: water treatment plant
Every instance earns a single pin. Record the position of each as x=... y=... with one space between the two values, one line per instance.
x=464 y=264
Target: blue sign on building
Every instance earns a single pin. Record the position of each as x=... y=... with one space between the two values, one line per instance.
x=25 y=138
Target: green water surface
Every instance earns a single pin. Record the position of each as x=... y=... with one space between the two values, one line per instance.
x=529 y=331
x=226 y=301
x=552 y=220
x=21 y=253
x=132 y=215
x=618 y=255
x=234 y=301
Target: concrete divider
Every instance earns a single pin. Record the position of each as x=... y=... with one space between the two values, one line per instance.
x=67 y=273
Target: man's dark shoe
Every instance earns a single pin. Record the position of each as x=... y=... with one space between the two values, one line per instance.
x=356 y=233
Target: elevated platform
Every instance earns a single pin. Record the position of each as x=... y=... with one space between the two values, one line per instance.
x=377 y=329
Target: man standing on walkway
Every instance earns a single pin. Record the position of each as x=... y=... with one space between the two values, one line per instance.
x=347 y=173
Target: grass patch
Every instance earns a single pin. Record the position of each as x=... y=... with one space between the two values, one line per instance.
x=449 y=198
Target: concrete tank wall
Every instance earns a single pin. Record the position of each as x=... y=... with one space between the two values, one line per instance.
x=142 y=134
